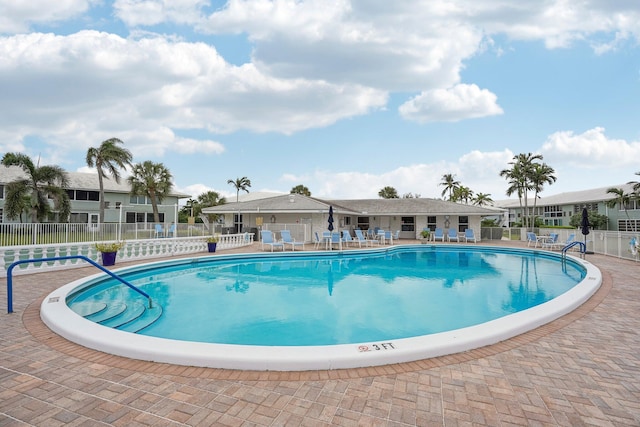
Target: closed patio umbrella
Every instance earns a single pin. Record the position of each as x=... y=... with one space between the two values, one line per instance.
x=330 y=219
x=584 y=226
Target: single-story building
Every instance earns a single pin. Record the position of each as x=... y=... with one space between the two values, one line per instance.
x=408 y=216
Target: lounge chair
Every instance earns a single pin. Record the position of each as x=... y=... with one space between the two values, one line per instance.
x=288 y=240
x=438 y=234
x=346 y=238
x=360 y=239
x=267 y=239
x=469 y=235
x=569 y=240
x=452 y=234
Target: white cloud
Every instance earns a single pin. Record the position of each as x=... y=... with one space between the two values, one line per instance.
x=152 y=12
x=450 y=105
x=16 y=16
x=591 y=148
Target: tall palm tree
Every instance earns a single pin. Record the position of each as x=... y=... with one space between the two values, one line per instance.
x=450 y=184
x=110 y=157
x=462 y=194
x=388 y=193
x=152 y=180
x=541 y=174
x=519 y=176
x=41 y=184
x=243 y=184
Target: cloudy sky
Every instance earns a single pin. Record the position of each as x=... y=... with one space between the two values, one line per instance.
x=345 y=97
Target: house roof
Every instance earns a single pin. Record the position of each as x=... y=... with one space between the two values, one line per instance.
x=573 y=197
x=79 y=181
x=303 y=204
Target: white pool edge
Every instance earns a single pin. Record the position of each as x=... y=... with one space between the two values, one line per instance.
x=62 y=320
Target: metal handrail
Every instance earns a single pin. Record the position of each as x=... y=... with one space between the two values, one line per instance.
x=583 y=248
x=90 y=261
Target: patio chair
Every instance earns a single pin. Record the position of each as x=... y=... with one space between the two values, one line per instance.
x=360 y=239
x=159 y=231
x=317 y=242
x=438 y=234
x=336 y=239
x=452 y=234
x=346 y=238
x=172 y=231
x=469 y=235
x=267 y=239
x=551 y=242
x=532 y=238
x=288 y=240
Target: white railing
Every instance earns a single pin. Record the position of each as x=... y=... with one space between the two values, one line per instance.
x=611 y=243
x=132 y=250
x=51 y=233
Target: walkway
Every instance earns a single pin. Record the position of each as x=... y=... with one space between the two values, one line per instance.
x=583 y=369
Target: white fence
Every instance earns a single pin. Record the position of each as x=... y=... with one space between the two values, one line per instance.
x=133 y=250
x=50 y=233
x=611 y=243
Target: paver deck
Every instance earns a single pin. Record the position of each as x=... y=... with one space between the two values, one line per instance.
x=580 y=370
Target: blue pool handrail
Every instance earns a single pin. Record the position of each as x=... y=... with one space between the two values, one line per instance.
x=60 y=258
x=583 y=248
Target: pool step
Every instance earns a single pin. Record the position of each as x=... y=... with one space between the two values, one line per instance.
x=132 y=312
x=111 y=310
x=130 y=318
x=146 y=319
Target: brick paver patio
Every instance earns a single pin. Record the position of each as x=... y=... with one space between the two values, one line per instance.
x=581 y=370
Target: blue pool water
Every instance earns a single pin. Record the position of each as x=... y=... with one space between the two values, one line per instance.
x=328 y=299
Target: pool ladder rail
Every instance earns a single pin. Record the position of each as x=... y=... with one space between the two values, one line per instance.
x=583 y=248
x=61 y=258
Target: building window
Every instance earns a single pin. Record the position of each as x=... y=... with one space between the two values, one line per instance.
x=118 y=205
x=139 y=200
x=431 y=223
x=408 y=223
x=552 y=211
x=1 y=191
x=629 y=225
x=1 y=216
x=141 y=217
x=79 y=218
x=92 y=196
x=363 y=222
x=106 y=205
x=463 y=223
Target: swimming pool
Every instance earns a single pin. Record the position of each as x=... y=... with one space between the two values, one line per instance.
x=329 y=321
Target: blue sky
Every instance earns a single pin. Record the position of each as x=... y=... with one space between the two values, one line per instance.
x=345 y=97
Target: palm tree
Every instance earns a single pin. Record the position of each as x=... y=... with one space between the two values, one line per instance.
x=205 y=200
x=622 y=199
x=636 y=184
x=41 y=184
x=482 y=199
x=108 y=156
x=388 y=193
x=541 y=174
x=301 y=189
x=462 y=194
x=450 y=184
x=152 y=180
x=240 y=184
x=519 y=177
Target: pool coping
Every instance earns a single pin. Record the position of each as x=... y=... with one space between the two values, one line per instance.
x=316 y=358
